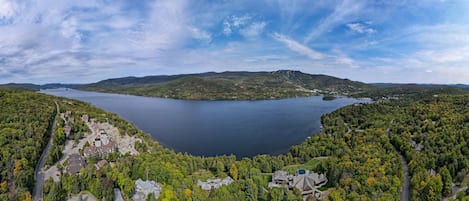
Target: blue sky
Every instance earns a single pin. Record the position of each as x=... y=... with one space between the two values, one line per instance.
x=424 y=41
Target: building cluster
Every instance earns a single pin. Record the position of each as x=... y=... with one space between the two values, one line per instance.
x=145 y=188
x=304 y=180
x=214 y=183
x=101 y=146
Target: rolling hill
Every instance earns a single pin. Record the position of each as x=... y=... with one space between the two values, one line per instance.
x=230 y=85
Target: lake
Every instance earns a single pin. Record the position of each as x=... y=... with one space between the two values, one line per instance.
x=209 y=128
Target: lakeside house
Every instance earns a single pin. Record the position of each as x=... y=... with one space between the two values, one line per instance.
x=101 y=146
x=75 y=163
x=145 y=188
x=214 y=183
x=304 y=180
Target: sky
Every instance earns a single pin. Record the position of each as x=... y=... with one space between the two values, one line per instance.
x=400 y=41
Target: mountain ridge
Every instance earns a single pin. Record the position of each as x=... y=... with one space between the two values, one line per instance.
x=230 y=85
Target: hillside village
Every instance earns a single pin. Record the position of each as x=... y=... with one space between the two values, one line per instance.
x=102 y=140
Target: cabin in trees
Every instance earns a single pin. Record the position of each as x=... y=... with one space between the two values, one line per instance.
x=143 y=189
x=214 y=183
x=304 y=180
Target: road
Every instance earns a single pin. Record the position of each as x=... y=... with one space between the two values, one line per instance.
x=38 y=173
x=405 y=186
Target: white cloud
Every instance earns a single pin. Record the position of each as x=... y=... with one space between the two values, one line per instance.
x=297 y=47
x=227 y=28
x=200 y=34
x=360 y=28
x=234 y=22
x=246 y=25
x=8 y=9
x=237 y=21
x=253 y=30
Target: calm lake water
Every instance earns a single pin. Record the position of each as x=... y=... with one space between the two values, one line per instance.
x=208 y=128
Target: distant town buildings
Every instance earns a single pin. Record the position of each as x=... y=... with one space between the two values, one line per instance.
x=214 y=183
x=145 y=188
x=304 y=180
x=75 y=163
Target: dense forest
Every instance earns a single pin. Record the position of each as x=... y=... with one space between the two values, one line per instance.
x=24 y=123
x=359 y=159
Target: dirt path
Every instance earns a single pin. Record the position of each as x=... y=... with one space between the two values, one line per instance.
x=405 y=186
x=38 y=173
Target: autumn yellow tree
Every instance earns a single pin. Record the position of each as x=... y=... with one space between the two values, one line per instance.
x=234 y=171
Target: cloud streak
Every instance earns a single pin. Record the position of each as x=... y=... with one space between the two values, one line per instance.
x=298 y=47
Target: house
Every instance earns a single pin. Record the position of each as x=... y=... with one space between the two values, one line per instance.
x=102 y=150
x=101 y=164
x=75 y=163
x=85 y=118
x=145 y=188
x=416 y=145
x=101 y=146
x=280 y=178
x=307 y=182
x=67 y=130
x=71 y=120
x=214 y=183
x=304 y=180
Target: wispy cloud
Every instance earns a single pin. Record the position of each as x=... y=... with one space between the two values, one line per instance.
x=297 y=47
x=253 y=30
x=344 y=11
x=233 y=23
x=200 y=34
x=360 y=28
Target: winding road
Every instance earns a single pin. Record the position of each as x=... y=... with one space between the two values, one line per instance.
x=405 y=186
x=38 y=173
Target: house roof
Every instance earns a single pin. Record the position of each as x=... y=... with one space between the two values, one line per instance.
x=104 y=149
x=144 y=188
x=75 y=163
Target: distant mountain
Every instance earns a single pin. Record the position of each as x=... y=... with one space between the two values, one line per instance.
x=36 y=87
x=462 y=86
x=230 y=85
x=389 y=85
x=394 y=90
x=22 y=86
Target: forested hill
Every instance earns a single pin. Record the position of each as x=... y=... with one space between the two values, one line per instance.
x=231 y=85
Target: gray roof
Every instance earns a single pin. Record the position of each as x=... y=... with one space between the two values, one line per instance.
x=75 y=163
x=145 y=188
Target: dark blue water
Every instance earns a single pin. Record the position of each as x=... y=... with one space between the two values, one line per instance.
x=208 y=128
